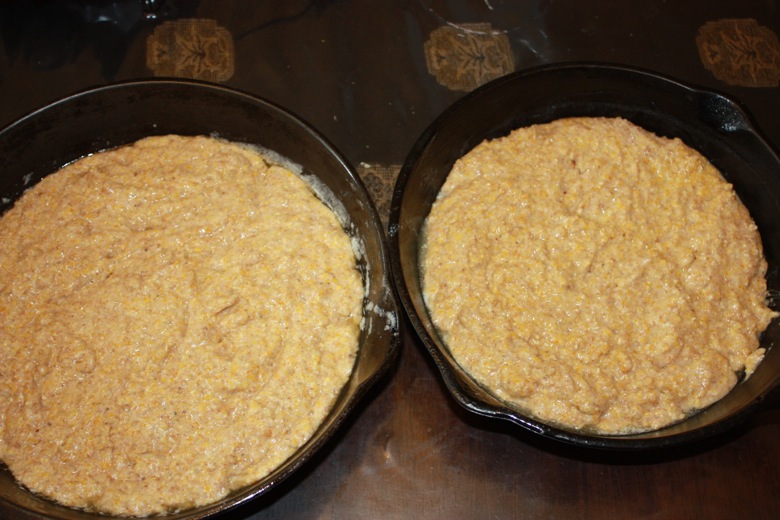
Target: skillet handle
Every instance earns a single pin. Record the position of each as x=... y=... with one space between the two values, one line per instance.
x=722 y=112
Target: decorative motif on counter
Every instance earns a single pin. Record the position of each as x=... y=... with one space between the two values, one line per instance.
x=191 y=48
x=380 y=181
x=740 y=52
x=463 y=57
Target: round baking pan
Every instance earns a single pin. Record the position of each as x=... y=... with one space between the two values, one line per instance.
x=106 y=117
x=707 y=121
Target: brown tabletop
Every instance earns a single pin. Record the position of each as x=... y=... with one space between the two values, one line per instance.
x=371 y=76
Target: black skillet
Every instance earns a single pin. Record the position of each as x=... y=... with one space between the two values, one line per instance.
x=712 y=123
x=114 y=115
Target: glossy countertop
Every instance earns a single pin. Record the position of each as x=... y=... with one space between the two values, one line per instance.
x=371 y=76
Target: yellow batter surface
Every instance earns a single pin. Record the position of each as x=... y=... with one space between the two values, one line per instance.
x=596 y=275
x=176 y=319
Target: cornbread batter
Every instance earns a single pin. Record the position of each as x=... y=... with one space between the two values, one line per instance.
x=596 y=275
x=177 y=317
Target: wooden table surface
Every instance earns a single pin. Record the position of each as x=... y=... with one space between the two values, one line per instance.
x=371 y=75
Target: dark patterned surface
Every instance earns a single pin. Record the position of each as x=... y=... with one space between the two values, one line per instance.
x=371 y=76
x=740 y=52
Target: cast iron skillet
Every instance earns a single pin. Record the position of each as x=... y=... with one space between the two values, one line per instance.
x=106 y=117
x=709 y=122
